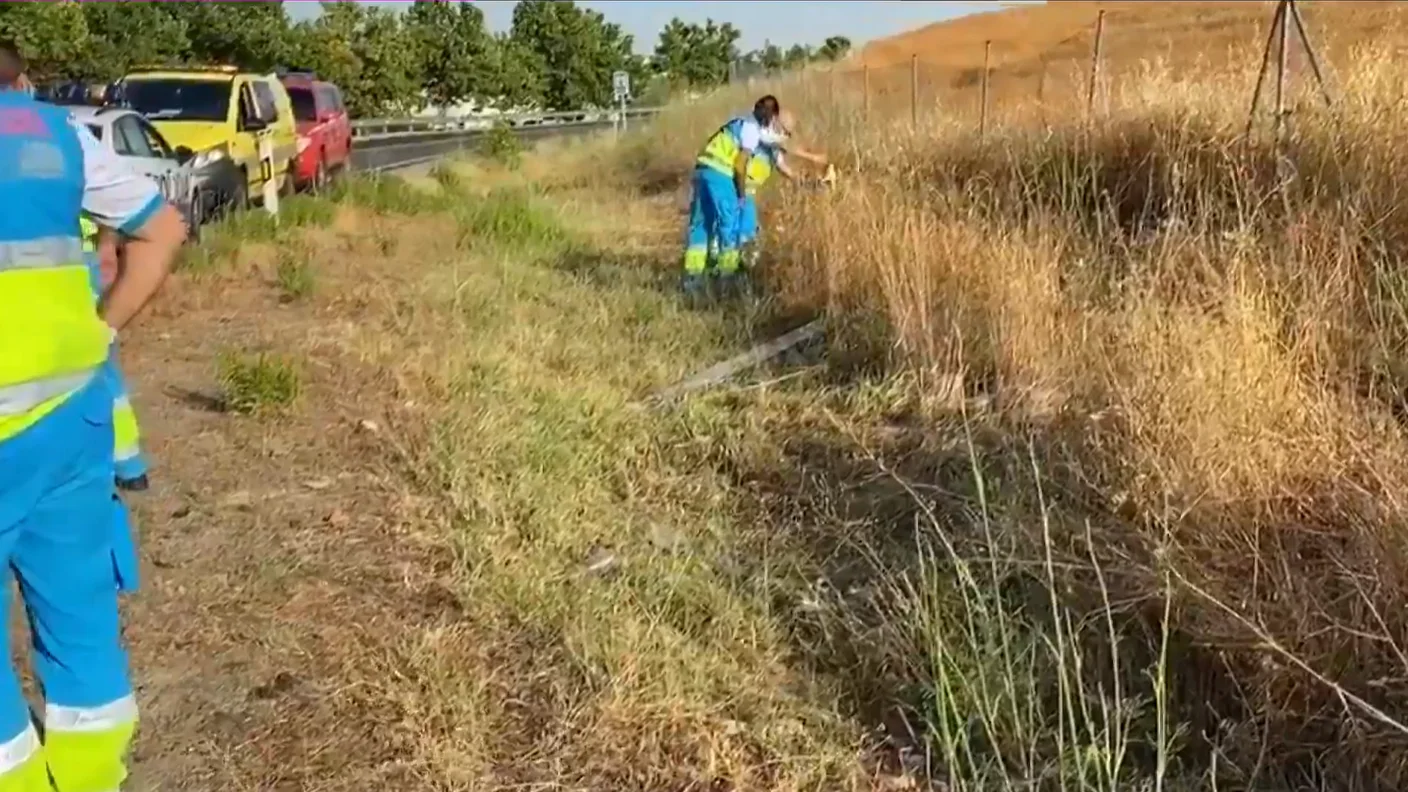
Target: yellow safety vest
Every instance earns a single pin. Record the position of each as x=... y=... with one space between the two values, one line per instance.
x=53 y=339
x=760 y=169
x=722 y=149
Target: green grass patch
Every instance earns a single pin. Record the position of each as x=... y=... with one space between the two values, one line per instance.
x=501 y=146
x=384 y=193
x=449 y=179
x=509 y=216
x=295 y=274
x=306 y=211
x=256 y=383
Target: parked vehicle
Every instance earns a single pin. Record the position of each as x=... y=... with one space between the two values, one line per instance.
x=71 y=92
x=324 y=130
x=220 y=113
x=193 y=187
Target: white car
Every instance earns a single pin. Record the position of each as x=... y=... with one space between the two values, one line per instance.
x=130 y=136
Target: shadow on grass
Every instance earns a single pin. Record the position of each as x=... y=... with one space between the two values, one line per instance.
x=925 y=561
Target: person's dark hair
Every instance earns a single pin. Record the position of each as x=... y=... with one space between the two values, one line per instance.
x=11 y=62
x=766 y=109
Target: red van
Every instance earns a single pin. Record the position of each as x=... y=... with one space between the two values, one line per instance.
x=324 y=129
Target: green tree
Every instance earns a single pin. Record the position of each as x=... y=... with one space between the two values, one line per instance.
x=696 y=55
x=389 y=79
x=834 y=48
x=325 y=46
x=252 y=35
x=577 y=48
x=521 y=74
x=770 y=58
x=367 y=51
x=51 y=36
x=798 y=55
x=123 y=35
x=454 y=50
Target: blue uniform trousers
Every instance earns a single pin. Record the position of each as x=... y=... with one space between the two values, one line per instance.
x=64 y=535
x=714 y=211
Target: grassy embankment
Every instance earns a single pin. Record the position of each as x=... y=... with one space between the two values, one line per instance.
x=617 y=613
x=1098 y=490
x=1105 y=473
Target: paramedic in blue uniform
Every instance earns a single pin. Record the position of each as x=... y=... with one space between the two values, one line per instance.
x=57 y=528
x=720 y=188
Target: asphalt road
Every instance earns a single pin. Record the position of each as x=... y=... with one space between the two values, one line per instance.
x=390 y=154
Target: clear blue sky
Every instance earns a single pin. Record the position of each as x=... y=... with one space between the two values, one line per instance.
x=782 y=22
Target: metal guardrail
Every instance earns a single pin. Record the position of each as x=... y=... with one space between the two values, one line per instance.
x=391 y=128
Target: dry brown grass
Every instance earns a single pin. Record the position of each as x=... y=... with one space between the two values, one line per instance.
x=1174 y=373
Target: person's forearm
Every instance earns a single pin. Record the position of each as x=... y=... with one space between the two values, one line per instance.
x=148 y=259
x=146 y=267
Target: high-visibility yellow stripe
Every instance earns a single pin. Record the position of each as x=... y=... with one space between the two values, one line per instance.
x=53 y=336
x=86 y=747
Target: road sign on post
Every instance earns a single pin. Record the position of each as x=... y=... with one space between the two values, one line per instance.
x=621 y=91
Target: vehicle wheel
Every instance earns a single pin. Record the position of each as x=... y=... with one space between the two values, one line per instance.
x=287 y=187
x=239 y=193
x=195 y=218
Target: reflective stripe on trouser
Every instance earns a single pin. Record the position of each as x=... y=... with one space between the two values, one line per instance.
x=713 y=218
x=59 y=535
x=127 y=446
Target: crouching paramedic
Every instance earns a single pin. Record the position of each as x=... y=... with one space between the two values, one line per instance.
x=776 y=142
x=56 y=438
x=100 y=254
x=720 y=187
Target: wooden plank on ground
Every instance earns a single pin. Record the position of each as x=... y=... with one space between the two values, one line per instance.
x=720 y=372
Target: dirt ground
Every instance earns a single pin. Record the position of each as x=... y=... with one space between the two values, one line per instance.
x=275 y=550
x=464 y=557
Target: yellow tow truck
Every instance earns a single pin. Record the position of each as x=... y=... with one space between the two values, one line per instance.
x=225 y=116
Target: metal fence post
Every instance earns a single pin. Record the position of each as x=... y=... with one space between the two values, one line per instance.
x=983 y=109
x=914 y=89
x=1095 y=65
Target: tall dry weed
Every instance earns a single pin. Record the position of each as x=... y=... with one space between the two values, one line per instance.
x=1205 y=332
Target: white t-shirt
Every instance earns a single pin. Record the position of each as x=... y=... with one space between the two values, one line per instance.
x=750 y=134
x=114 y=194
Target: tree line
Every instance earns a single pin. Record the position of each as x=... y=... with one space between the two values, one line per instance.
x=556 y=55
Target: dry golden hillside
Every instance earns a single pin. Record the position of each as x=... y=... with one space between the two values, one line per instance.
x=1044 y=50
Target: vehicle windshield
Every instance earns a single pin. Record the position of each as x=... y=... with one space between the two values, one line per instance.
x=178 y=100
x=304 y=108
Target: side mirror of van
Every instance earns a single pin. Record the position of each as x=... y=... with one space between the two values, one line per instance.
x=184 y=154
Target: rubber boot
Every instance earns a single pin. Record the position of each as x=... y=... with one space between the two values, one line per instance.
x=726 y=285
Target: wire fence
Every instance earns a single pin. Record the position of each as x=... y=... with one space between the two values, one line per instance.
x=1075 y=78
